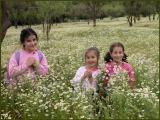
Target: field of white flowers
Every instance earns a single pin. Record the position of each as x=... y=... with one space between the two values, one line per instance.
x=52 y=97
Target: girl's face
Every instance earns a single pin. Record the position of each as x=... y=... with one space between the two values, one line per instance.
x=91 y=59
x=117 y=54
x=30 y=43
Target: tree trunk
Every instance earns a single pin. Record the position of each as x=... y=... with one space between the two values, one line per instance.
x=154 y=16
x=5 y=20
x=43 y=27
x=149 y=18
x=94 y=16
x=138 y=18
x=94 y=22
x=22 y=25
x=130 y=20
x=47 y=32
x=15 y=24
x=49 y=27
x=134 y=19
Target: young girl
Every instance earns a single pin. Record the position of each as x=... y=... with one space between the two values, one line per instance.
x=28 y=61
x=116 y=61
x=85 y=76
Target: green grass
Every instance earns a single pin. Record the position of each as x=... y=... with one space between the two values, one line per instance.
x=64 y=52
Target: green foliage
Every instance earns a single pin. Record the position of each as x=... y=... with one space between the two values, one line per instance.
x=37 y=12
x=52 y=97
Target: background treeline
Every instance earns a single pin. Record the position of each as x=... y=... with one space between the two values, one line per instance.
x=42 y=12
x=47 y=13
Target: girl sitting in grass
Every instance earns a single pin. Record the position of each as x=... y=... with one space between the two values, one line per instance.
x=28 y=61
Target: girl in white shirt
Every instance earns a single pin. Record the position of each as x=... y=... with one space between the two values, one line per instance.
x=85 y=75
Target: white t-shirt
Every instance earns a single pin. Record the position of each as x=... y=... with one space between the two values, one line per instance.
x=86 y=85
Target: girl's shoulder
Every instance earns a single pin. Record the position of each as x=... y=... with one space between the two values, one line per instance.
x=127 y=65
x=40 y=52
x=19 y=51
x=108 y=64
x=16 y=52
x=82 y=68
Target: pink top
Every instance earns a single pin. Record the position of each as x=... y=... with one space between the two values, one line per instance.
x=112 y=69
x=22 y=69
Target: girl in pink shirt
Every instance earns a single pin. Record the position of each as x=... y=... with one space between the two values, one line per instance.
x=28 y=61
x=116 y=61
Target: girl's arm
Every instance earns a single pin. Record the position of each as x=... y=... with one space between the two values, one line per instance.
x=94 y=83
x=76 y=81
x=42 y=68
x=106 y=79
x=132 y=79
x=14 y=69
x=78 y=76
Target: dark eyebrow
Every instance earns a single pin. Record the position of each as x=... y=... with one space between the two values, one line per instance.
x=28 y=40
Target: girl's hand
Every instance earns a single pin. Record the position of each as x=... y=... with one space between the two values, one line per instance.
x=90 y=79
x=36 y=64
x=132 y=84
x=105 y=81
x=30 y=61
x=87 y=74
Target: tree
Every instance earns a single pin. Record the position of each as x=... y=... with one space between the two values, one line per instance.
x=94 y=7
x=132 y=9
x=50 y=12
x=45 y=12
x=5 y=19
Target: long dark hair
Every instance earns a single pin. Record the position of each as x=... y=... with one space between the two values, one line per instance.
x=108 y=57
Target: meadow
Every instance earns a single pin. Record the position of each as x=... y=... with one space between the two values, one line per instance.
x=53 y=98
